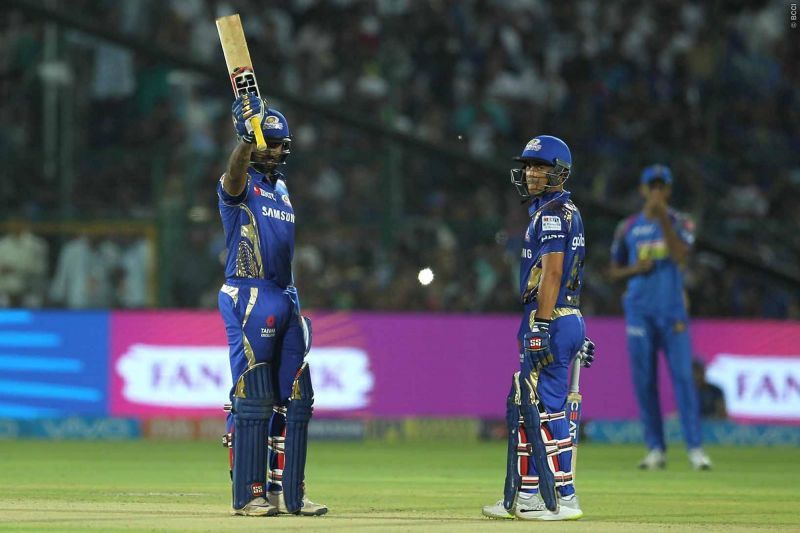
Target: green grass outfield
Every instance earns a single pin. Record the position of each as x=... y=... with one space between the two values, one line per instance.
x=417 y=486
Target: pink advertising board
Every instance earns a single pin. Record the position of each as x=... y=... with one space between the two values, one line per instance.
x=394 y=365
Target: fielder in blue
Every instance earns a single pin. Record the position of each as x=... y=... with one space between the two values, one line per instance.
x=649 y=250
x=272 y=397
x=539 y=481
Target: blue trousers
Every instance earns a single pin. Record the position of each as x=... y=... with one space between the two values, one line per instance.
x=566 y=338
x=647 y=335
x=262 y=322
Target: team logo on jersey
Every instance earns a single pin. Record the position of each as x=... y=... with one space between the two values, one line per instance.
x=273 y=123
x=551 y=223
x=269 y=331
x=534 y=144
x=285 y=198
x=679 y=326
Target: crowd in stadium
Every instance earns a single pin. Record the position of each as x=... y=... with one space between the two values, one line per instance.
x=684 y=84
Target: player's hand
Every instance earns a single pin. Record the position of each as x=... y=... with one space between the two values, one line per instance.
x=244 y=108
x=536 y=346
x=656 y=203
x=644 y=266
x=586 y=353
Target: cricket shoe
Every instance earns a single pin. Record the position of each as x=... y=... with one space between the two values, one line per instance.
x=497 y=511
x=654 y=460
x=256 y=507
x=307 y=507
x=533 y=508
x=699 y=460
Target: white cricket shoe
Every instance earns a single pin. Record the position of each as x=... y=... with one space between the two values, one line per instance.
x=497 y=511
x=654 y=460
x=699 y=460
x=533 y=508
x=307 y=507
x=256 y=507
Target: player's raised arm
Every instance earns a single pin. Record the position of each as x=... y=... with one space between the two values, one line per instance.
x=656 y=207
x=678 y=249
x=244 y=108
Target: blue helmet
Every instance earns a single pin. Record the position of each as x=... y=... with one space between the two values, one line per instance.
x=550 y=151
x=276 y=129
x=656 y=172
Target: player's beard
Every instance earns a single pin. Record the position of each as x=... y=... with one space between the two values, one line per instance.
x=263 y=162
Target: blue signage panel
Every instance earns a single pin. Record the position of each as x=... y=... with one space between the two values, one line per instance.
x=53 y=363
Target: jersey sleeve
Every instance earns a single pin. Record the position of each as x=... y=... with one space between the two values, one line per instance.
x=684 y=227
x=619 y=248
x=226 y=199
x=551 y=233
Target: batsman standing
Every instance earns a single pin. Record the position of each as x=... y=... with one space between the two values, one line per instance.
x=272 y=396
x=649 y=250
x=539 y=481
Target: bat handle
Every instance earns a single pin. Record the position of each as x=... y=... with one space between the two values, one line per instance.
x=261 y=144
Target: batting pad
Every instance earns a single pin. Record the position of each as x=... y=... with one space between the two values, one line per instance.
x=252 y=406
x=514 y=467
x=298 y=413
x=537 y=449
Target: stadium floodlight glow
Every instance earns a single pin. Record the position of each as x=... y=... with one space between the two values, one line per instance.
x=425 y=276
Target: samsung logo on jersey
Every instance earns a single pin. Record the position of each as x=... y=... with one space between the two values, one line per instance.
x=578 y=240
x=277 y=213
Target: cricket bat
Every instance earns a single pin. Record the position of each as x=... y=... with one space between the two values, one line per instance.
x=240 y=67
x=574 y=410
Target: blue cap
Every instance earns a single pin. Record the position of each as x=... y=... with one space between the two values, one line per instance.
x=657 y=172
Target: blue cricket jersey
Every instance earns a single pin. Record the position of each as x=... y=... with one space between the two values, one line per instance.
x=659 y=291
x=259 y=230
x=555 y=226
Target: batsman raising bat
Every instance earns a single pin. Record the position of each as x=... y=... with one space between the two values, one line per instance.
x=272 y=397
x=539 y=479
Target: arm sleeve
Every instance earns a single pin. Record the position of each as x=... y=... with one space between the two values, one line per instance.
x=226 y=199
x=619 y=249
x=551 y=233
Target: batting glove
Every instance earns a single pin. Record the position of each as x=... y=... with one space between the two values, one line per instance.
x=536 y=345
x=244 y=108
x=586 y=353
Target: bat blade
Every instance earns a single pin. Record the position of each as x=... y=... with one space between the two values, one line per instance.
x=574 y=401
x=240 y=66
